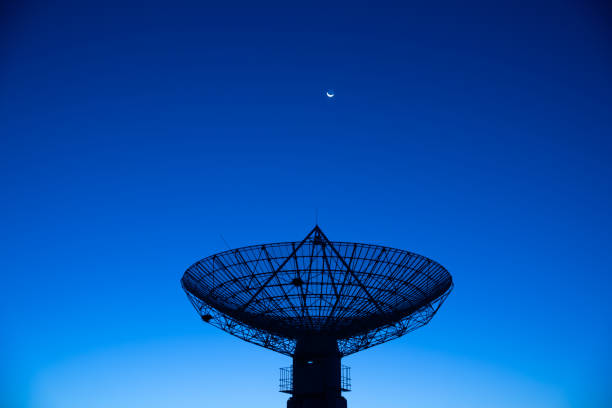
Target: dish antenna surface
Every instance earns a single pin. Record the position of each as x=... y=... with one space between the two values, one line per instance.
x=316 y=301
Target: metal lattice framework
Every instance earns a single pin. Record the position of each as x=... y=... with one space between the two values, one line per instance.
x=360 y=294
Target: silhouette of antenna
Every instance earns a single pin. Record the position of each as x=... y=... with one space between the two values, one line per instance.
x=316 y=301
x=224 y=241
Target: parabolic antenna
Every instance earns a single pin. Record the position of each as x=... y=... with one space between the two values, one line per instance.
x=317 y=300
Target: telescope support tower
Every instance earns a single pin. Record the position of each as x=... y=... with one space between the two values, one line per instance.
x=316 y=374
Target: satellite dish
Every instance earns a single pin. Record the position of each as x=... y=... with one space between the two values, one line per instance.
x=317 y=301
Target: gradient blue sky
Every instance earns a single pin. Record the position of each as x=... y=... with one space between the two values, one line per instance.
x=477 y=134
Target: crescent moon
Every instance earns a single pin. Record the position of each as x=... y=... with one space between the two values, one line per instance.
x=329 y=94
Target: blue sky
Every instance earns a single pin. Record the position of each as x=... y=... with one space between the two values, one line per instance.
x=133 y=136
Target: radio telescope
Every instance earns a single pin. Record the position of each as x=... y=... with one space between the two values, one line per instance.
x=316 y=301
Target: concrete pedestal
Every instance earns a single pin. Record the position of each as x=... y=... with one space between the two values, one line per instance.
x=316 y=374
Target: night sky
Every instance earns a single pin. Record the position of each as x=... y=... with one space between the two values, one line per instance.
x=137 y=136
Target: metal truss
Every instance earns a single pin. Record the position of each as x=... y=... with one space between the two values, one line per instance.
x=361 y=294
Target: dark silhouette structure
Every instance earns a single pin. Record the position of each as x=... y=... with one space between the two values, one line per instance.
x=316 y=301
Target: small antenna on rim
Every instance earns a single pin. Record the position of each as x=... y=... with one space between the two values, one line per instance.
x=316 y=216
x=226 y=244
